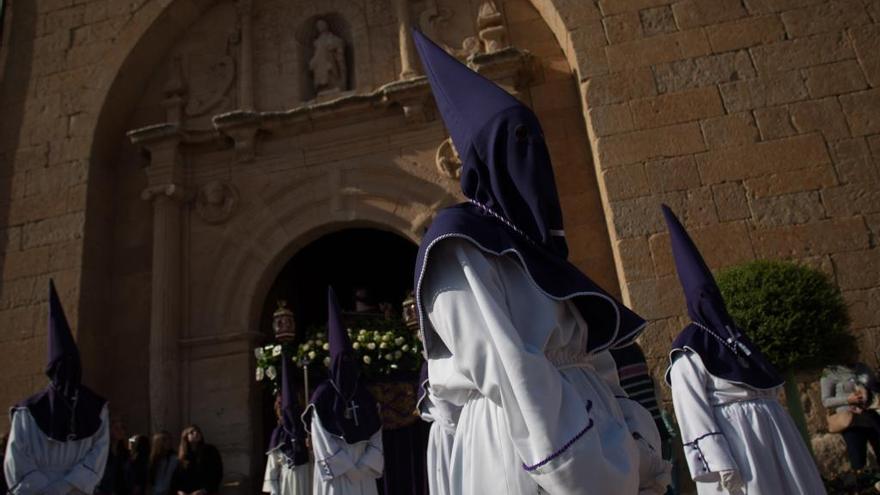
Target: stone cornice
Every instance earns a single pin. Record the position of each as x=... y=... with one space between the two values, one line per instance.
x=511 y=67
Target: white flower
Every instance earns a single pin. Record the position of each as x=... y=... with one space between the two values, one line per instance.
x=386 y=337
x=368 y=359
x=389 y=356
x=271 y=373
x=258 y=352
x=260 y=373
x=312 y=354
x=399 y=340
x=326 y=362
x=356 y=345
x=362 y=331
x=276 y=351
x=371 y=346
x=393 y=366
x=306 y=346
x=383 y=345
x=361 y=338
x=398 y=355
x=405 y=347
x=326 y=347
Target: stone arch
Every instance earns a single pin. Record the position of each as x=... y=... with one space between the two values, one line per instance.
x=251 y=267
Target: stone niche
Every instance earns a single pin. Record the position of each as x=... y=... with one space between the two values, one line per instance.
x=326 y=58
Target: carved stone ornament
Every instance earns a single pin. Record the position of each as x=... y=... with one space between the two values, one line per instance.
x=491 y=23
x=447 y=160
x=216 y=202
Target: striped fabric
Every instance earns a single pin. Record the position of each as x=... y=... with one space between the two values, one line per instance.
x=636 y=381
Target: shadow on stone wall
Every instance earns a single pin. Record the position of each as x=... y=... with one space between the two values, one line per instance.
x=16 y=57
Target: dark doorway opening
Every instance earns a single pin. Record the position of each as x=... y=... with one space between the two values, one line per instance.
x=380 y=262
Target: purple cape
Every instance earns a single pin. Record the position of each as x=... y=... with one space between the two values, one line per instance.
x=514 y=205
x=725 y=350
x=345 y=406
x=66 y=409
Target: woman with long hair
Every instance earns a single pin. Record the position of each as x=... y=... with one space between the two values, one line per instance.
x=163 y=463
x=201 y=468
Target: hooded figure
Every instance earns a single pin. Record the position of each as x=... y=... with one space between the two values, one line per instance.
x=513 y=332
x=59 y=437
x=346 y=429
x=736 y=435
x=287 y=468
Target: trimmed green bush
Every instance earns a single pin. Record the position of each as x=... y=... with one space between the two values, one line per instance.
x=794 y=313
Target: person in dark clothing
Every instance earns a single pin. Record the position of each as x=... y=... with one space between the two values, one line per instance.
x=201 y=469
x=138 y=465
x=113 y=481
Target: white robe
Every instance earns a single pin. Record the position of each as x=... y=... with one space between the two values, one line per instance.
x=284 y=479
x=36 y=464
x=726 y=426
x=342 y=468
x=538 y=415
x=443 y=417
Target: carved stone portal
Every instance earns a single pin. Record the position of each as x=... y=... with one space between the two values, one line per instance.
x=492 y=31
x=216 y=202
x=328 y=66
x=447 y=160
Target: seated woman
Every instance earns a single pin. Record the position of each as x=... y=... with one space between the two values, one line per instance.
x=845 y=393
x=201 y=468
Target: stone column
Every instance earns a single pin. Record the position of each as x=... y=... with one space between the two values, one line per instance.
x=246 y=56
x=404 y=27
x=165 y=190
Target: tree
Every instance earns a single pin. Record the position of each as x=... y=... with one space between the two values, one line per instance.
x=795 y=315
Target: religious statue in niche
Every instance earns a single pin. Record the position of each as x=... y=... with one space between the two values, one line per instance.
x=216 y=202
x=328 y=66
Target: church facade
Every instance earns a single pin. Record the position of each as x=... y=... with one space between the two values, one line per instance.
x=163 y=160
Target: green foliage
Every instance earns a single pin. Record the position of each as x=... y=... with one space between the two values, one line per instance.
x=795 y=314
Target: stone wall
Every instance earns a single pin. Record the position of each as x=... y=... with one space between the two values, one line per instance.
x=756 y=120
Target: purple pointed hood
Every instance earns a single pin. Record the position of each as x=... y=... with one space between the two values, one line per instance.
x=724 y=349
x=289 y=435
x=514 y=205
x=65 y=410
x=344 y=405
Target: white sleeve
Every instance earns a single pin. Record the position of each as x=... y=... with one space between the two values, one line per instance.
x=271 y=480
x=372 y=461
x=655 y=473
x=705 y=447
x=548 y=422
x=86 y=474
x=19 y=466
x=331 y=455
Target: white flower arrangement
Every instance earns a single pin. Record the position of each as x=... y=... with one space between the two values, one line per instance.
x=383 y=352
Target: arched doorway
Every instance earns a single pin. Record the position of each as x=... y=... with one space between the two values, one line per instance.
x=370 y=270
x=234 y=190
